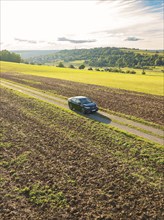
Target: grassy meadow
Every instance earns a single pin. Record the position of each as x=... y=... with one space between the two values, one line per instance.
x=151 y=83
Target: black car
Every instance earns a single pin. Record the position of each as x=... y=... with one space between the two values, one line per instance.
x=83 y=104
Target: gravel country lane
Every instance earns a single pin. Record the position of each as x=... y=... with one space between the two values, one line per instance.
x=103 y=117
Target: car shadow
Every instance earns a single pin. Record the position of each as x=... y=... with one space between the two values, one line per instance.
x=96 y=116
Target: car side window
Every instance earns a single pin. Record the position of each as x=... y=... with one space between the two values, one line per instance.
x=77 y=101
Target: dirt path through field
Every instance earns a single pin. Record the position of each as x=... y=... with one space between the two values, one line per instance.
x=118 y=122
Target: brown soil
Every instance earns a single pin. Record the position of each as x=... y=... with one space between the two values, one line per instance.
x=95 y=183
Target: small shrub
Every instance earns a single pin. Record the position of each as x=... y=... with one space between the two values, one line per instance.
x=71 y=66
x=82 y=67
x=133 y=72
x=60 y=65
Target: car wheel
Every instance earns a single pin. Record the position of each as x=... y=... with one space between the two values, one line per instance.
x=70 y=106
x=83 y=111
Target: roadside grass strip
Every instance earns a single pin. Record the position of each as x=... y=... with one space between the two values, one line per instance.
x=139 y=129
x=133 y=118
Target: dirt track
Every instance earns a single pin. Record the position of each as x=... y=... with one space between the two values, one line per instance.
x=101 y=116
x=140 y=105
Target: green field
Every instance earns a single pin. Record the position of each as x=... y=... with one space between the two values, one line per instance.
x=150 y=83
x=148 y=52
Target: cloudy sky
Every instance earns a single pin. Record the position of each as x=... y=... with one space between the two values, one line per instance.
x=69 y=24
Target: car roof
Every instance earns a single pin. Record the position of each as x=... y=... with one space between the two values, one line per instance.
x=78 y=97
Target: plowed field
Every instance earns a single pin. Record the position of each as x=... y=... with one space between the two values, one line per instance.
x=59 y=165
x=147 y=107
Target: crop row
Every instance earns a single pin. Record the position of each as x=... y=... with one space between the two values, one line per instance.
x=57 y=164
x=140 y=105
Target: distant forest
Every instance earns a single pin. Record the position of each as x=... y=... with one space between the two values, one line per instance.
x=105 y=57
x=97 y=57
x=5 y=55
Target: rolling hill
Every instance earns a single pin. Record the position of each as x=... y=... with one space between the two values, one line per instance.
x=104 y=57
x=26 y=54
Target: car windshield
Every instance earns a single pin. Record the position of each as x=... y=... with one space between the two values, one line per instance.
x=85 y=100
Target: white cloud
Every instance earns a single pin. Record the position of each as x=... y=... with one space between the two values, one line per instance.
x=75 y=41
x=132 y=38
x=39 y=24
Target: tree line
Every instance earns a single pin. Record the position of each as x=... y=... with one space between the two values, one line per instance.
x=105 y=57
x=5 y=55
x=97 y=57
x=115 y=70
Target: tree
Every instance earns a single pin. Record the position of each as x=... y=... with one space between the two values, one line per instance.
x=159 y=61
x=133 y=72
x=81 y=66
x=60 y=65
x=71 y=66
